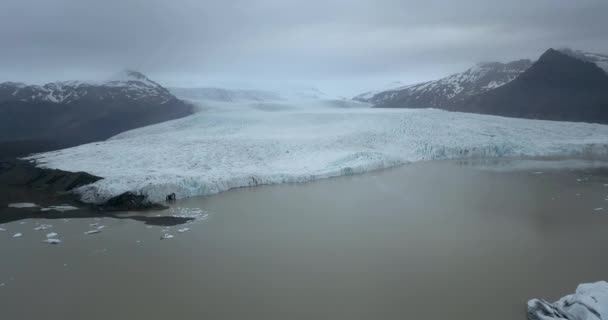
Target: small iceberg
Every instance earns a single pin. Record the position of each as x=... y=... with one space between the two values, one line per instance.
x=43 y=227
x=17 y=235
x=166 y=236
x=92 y=231
x=52 y=241
x=589 y=302
x=183 y=230
x=51 y=235
x=21 y=205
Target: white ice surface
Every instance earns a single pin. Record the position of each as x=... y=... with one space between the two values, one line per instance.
x=589 y=302
x=235 y=145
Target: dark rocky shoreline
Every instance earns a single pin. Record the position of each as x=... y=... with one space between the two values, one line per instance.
x=22 y=181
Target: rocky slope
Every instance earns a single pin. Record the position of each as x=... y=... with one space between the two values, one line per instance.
x=62 y=114
x=558 y=86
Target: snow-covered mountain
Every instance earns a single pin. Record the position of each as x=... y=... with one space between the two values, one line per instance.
x=392 y=86
x=446 y=91
x=128 y=85
x=557 y=86
x=599 y=59
x=62 y=114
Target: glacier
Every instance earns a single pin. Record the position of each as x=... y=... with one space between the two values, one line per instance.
x=231 y=145
x=589 y=302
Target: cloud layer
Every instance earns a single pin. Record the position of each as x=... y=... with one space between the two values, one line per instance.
x=344 y=45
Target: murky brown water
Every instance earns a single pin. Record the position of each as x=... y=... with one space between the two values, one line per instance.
x=427 y=241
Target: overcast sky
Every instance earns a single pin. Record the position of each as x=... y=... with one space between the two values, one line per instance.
x=341 y=46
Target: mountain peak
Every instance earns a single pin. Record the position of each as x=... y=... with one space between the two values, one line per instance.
x=129 y=75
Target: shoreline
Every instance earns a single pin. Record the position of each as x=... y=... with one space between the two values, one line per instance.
x=22 y=181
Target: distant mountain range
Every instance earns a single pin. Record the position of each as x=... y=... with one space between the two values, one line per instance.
x=456 y=87
x=62 y=114
x=563 y=84
x=225 y=95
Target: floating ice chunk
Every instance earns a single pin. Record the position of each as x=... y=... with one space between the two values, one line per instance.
x=61 y=208
x=43 y=227
x=183 y=230
x=22 y=205
x=52 y=241
x=51 y=235
x=2 y=229
x=166 y=236
x=92 y=231
x=101 y=227
x=589 y=302
x=598 y=209
x=93 y=224
x=17 y=235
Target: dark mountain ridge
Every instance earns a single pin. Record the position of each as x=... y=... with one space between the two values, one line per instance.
x=557 y=87
x=63 y=114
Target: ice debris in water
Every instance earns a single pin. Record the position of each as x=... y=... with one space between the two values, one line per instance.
x=51 y=235
x=598 y=209
x=17 y=235
x=183 y=230
x=2 y=229
x=93 y=224
x=52 y=241
x=22 y=205
x=187 y=212
x=92 y=231
x=43 y=227
x=61 y=208
x=101 y=227
x=166 y=236
x=589 y=302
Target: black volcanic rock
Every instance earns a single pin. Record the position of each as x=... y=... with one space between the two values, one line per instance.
x=557 y=87
x=62 y=114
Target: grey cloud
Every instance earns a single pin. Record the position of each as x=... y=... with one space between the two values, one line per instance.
x=339 y=44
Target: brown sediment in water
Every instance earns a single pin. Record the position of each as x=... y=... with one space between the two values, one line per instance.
x=436 y=240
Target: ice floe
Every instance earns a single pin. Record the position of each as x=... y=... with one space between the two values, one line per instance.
x=17 y=235
x=166 y=236
x=51 y=235
x=61 y=208
x=43 y=227
x=92 y=231
x=238 y=146
x=21 y=205
x=589 y=302
x=182 y=230
x=52 y=241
